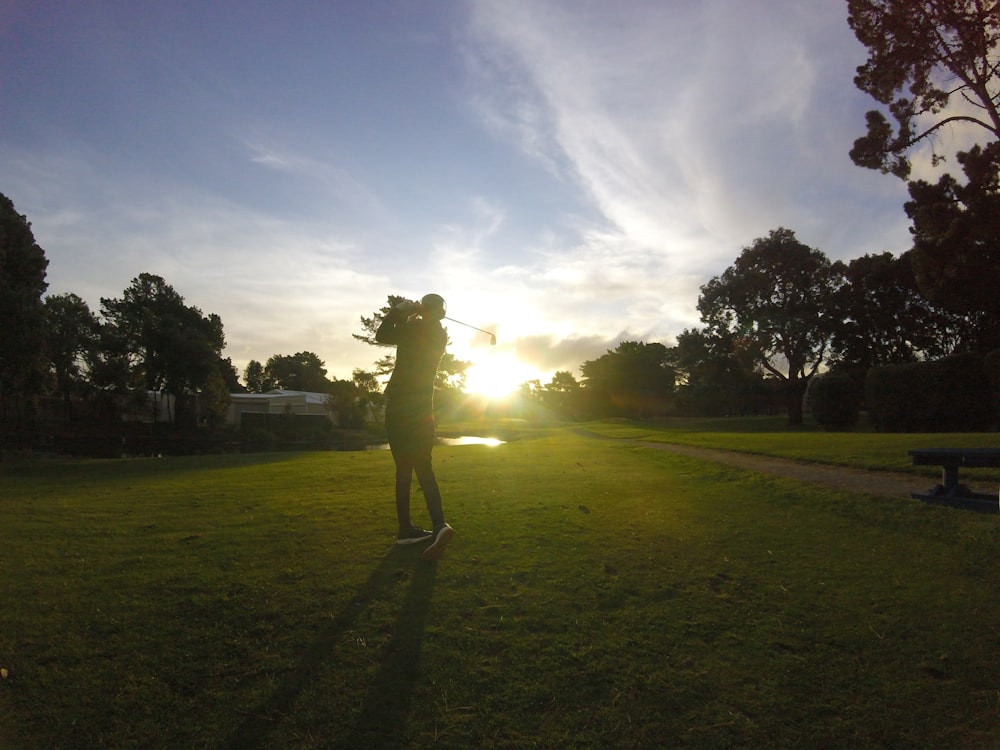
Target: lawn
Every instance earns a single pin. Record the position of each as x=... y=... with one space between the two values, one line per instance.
x=771 y=436
x=596 y=595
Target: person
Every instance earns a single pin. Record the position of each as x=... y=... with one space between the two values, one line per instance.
x=416 y=331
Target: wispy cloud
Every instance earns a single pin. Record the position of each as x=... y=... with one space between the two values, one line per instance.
x=335 y=182
x=692 y=127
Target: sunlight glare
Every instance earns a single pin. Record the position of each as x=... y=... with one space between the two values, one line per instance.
x=497 y=375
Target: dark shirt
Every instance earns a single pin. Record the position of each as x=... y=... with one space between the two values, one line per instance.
x=420 y=344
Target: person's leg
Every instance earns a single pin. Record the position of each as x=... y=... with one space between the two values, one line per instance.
x=400 y=434
x=423 y=443
x=443 y=533
x=404 y=474
x=429 y=485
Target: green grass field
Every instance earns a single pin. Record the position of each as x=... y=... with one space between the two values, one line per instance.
x=596 y=595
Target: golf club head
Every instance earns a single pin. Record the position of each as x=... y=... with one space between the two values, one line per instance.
x=493 y=339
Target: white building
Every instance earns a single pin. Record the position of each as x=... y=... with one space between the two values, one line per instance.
x=278 y=402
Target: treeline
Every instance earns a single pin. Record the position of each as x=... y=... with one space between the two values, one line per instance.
x=145 y=357
x=781 y=314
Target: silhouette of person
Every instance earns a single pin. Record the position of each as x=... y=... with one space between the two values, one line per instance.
x=415 y=330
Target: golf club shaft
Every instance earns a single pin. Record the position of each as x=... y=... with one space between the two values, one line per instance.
x=488 y=333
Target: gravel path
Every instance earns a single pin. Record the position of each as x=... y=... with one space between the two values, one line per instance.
x=882 y=483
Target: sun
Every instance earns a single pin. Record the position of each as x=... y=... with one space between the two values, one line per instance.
x=497 y=375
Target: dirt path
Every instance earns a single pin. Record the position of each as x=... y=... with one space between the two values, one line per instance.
x=883 y=483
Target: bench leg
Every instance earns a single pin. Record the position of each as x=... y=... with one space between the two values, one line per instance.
x=949 y=479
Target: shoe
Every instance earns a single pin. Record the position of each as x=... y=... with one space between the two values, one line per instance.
x=441 y=538
x=414 y=536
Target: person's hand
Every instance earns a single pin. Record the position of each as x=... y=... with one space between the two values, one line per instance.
x=407 y=307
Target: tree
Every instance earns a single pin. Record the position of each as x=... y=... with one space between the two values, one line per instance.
x=367 y=382
x=72 y=335
x=369 y=392
x=22 y=319
x=933 y=64
x=191 y=354
x=167 y=345
x=344 y=403
x=635 y=379
x=775 y=302
x=302 y=371
x=215 y=398
x=230 y=377
x=255 y=378
x=882 y=319
x=956 y=237
x=370 y=325
x=717 y=375
x=560 y=395
x=110 y=363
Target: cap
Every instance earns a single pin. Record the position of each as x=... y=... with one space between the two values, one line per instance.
x=434 y=304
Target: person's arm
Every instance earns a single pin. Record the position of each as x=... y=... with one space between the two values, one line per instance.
x=389 y=330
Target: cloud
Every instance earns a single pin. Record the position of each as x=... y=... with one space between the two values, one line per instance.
x=337 y=184
x=692 y=128
x=549 y=353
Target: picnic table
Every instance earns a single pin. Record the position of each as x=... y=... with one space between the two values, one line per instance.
x=951 y=491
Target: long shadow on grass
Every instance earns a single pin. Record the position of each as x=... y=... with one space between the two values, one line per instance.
x=383 y=714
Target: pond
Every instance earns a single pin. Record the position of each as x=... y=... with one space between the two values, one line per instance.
x=470 y=440
x=464 y=440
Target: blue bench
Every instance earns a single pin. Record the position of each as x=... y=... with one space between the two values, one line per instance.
x=951 y=491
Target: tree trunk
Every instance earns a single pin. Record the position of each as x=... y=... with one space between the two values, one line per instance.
x=796 y=392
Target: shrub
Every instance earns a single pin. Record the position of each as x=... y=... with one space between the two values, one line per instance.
x=948 y=395
x=834 y=400
x=258 y=439
x=992 y=364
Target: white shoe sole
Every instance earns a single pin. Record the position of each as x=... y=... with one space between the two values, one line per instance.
x=441 y=541
x=415 y=540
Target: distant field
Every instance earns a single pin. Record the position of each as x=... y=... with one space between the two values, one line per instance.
x=596 y=595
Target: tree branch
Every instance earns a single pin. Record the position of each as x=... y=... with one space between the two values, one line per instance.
x=903 y=145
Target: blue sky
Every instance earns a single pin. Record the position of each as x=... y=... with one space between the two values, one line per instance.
x=565 y=172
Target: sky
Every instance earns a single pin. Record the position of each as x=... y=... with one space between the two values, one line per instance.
x=566 y=173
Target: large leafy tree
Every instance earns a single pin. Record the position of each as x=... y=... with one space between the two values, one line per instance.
x=369 y=392
x=635 y=379
x=934 y=65
x=956 y=237
x=561 y=395
x=775 y=304
x=302 y=371
x=167 y=345
x=22 y=319
x=255 y=378
x=72 y=335
x=717 y=375
x=882 y=319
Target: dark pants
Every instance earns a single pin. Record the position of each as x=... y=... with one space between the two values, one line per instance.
x=410 y=428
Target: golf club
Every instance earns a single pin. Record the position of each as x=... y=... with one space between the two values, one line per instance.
x=493 y=336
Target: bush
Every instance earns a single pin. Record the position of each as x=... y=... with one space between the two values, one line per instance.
x=992 y=364
x=834 y=400
x=948 y=395
x=258 y=439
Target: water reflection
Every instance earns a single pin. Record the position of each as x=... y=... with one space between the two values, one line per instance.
x=470 y=440
x=464 y=440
